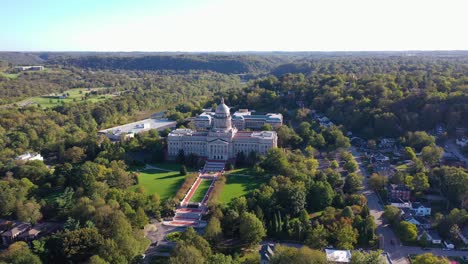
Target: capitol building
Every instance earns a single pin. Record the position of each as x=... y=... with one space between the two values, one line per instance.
x=218 y=136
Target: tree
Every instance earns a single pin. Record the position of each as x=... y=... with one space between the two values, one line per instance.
x=377 y=182
x=320 y=196
x=191 y=238
x=346 y=236
x=420 y=182
x=266 y=127
x=213 y=231
x=183 y=170
x=74 y=155
x=431 y=154
x=317 y=237
x=186 y=254
x=251 y=229
x=392 y=214
x=353 y=183
x=351 y=166
x=220 y=259
x=29 y=211
x=371 y=257
x=19 y=253
x=303 y=255
x=275 y=161
x=419 y=139
x=429 y=258
x=407 y=231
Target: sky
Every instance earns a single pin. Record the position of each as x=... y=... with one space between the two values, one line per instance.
x=233 y=25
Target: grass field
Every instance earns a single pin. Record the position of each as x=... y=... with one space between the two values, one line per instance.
x=201 y=191
x=75 y=95
x=237 y=186
x=163 y=183
x=10 y=75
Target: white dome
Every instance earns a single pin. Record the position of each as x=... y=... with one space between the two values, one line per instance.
x=222 y=108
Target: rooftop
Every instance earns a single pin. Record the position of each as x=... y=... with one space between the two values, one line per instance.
x=140 y=126
x=338 y=255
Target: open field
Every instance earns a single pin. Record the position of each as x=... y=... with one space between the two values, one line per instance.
x=163 y=183
x=75 y=95
x=10 y=75
x=201 y=191
x=237 y=186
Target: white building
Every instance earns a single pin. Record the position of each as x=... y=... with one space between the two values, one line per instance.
x=241 y=120
x=418 y=209
x=222 y=140
x=30 y=156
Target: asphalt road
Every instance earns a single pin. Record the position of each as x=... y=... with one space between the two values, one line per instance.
x=397 y=252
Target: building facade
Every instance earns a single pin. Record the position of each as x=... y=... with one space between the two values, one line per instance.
x=242 y=119
x=216 y=138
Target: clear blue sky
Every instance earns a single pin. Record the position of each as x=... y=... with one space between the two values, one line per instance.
x=232 y=25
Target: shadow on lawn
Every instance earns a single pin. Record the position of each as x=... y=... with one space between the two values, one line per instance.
x=249 y=183
x=175 y=175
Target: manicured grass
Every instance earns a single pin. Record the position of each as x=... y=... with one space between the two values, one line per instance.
x=201 y=191
x=74 y=96
x=237 y=186
x=167 y=166
x=164 y=183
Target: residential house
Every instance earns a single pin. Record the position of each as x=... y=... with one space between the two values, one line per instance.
x=398 y=192
x=418 y=209
x=266 y=252
x=431 y=236
x=12 y=234
x=338 y=256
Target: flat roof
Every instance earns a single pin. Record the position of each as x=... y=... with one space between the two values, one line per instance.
x=140 y=126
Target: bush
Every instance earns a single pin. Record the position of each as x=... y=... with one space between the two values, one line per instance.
x=174 y=236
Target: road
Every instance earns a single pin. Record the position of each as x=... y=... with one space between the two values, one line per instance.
x=397 y=252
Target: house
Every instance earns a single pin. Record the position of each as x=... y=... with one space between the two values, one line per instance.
x=12 y=234
x=418 y=209
x=400 y=204
x=398 y=192
x=266 y=252
x=338 y=256
x=30 y=156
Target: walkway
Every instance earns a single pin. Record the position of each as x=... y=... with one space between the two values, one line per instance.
x=189 y=213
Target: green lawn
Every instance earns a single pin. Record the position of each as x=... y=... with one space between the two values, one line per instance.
x=237 y=186
x=163 y=183
x=10 y=75
x=75 y=95
x=201 y=191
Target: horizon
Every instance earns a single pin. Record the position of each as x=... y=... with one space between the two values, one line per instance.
x=233 y=26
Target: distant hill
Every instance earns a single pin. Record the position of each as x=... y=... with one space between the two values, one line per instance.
x=229 y=64
x=21 y=58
